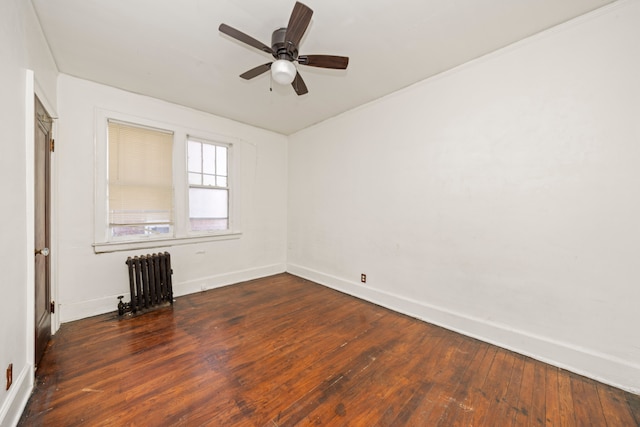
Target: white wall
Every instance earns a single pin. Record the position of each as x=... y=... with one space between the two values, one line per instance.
x=22 y=47
x=499 y=199
x=89 y=282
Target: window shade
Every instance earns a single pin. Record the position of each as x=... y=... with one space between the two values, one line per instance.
x=140 y=175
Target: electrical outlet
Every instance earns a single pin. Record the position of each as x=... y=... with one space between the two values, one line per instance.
x=9 y=375
x=363 y=278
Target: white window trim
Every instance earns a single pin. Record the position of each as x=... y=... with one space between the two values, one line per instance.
x=230 y=178
x=181 y=231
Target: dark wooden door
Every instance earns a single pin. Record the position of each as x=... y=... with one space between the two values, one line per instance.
x=42 y=243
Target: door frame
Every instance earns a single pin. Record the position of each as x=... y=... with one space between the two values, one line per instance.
x=53 y=240
x=33 y=89
x=43 y=299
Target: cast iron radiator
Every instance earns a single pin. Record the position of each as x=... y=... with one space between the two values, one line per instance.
x=149 y=282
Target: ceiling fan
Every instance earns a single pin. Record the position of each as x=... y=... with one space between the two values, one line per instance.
x=284 y=48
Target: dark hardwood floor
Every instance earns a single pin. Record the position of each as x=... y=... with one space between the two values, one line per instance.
x=283 y=351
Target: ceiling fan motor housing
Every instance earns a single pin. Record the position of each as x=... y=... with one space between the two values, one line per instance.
x=280 y=48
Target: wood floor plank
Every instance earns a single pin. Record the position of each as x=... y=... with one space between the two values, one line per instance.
x=510 y=409
x=444 y=395
x=537 y=414
x=586 y=402
x=386 y=374
x=443 y=379
x=525 y=398
x=344 y=372
x=633 y=401
x=615 y=406
x=405 y=386
x=284 y=351
x=325 y=373
x=552 y=401
x=566 y=411
x=495 y=389
x=318 y=394
x=467 y=408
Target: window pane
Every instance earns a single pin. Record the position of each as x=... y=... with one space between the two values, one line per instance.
x=222 y=181
x=139 y=230
x=208 y=224
x=209 y=180
x=195 y=178
x=209 y=158
x=208 y=203
x=208 y=209
x=194 y=157
x=221 y=160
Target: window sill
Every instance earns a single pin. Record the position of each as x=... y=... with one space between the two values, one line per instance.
x=106 y=247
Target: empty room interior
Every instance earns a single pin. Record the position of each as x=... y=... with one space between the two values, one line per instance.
x=373 y=213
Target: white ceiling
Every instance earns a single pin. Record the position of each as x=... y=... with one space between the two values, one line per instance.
x=172 y=50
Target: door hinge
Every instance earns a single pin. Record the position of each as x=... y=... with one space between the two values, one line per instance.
x=53 y=306
x=52 y=145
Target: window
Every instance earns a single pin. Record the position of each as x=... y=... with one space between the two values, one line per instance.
x=157 y=186
x=208 y=185
x=140 y=201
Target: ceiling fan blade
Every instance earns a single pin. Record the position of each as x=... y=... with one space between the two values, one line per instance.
x=324 y=61
x=298 y=23
x=240 y=36
x=298 y=85
x=255 y=72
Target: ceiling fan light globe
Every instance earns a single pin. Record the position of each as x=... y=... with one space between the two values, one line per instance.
x=283 y=72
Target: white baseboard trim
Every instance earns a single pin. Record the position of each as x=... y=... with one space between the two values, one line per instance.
x=83 y=309
x=601 y=367
x=220 y=280
x=17 y=399
x=70 y=311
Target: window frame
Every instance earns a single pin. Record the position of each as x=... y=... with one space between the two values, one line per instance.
x=182 y=233
x=228 y=187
